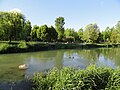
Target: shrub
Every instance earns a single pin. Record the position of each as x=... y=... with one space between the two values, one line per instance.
x=4 y=47
x=92 y=78
x=114 y=80
x=22 y=45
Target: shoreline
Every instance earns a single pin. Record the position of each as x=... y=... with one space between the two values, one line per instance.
x=23 y=47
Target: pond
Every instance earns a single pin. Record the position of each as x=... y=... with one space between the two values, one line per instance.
x=45 y=60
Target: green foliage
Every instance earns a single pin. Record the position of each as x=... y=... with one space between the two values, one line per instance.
x=70 y=34
x=59 y=23
x=3 y=47
x=26 y=30
x=14 y=26
x=70 y=39
x=100 y=38
x=2 y=32
x=33 y=33
x=53 y=35
x=80 y=35
x=106 y=34
x=22 y=45
x=93 y=78
x=91 y=33
x=114 y=81
x=8 y=48
x=115 y=34
x=11 y=24
x=43 y=33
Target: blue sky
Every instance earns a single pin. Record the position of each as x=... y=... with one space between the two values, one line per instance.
x=77 y=13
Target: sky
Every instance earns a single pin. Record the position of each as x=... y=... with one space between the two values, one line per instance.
x=77 y=13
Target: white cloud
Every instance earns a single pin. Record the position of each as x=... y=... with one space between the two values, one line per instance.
x=16 y=10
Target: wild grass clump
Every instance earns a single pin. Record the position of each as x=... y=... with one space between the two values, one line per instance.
x=92 y=78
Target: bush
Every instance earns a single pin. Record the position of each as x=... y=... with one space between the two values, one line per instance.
x=22 y=45
x=114 y=81
x=92 y=78
x=4 y=47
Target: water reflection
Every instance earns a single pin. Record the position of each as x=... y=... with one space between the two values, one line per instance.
x=45 y=60
x=103 y=61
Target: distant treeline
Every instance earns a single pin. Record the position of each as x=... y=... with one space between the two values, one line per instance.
x=14 y=26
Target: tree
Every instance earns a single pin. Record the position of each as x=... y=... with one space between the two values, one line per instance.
x=100 y=38
x=115 y=33
x=27 y=30
x=4 y=25
x=53 y=35
x=70 y=34
x=2 y=33
x=106 y=34
x=117 y=28
x=17 y=22
x=33 y=33
x=114 y=36
x=12 y=23
x=43 y=33
x=91 y=33
x=59 y=26
x=80 y=34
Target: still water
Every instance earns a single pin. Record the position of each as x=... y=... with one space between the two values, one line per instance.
x=45 y=60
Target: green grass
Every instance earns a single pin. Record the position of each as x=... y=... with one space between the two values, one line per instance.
x=92 y=78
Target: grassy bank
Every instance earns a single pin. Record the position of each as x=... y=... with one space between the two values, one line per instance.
x=92 y=78
x=17 y=47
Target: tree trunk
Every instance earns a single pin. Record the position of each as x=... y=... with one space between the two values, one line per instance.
x=10 y=39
